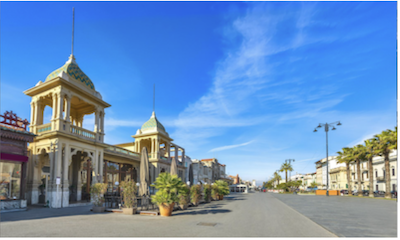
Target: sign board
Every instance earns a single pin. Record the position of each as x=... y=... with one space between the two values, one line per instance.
x=58 y=180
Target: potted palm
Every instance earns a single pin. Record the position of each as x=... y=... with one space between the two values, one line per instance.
x=128 y=192
x=195 y=194
x=214 y=192
x=97 y=195
x=223 y=188
x=207 y=192
x=168 y=187
x=184 y=197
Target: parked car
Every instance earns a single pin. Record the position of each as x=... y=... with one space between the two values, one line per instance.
x=379 y=193
x=344 y=191
x=365 y=192
x=394 y=194
x=354 y=192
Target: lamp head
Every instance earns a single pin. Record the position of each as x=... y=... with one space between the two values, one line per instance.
x=339 y=124
x=333 y=128
x=319 y=125
x=315 y=130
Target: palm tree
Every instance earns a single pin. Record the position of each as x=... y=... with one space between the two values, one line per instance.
x=277 y=177
x=359 y=154
x=285 y=168
x=370 y=145
x=346 y=157
x=386 y=141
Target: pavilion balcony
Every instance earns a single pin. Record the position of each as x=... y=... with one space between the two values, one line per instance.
x=119 y=150
x=83 y=132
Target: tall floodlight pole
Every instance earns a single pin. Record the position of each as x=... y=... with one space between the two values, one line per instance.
x=327 y=125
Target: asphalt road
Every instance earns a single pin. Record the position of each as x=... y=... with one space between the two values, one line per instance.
x=347 y=216
x=238 y=215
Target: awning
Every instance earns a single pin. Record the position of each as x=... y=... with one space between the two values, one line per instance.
x=13 y=157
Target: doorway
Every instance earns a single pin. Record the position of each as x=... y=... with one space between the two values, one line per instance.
x=44 y=186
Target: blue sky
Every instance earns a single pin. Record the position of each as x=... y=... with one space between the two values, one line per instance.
x=246 y=82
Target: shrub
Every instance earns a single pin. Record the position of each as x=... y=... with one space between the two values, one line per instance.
x=129 y=190
x=97 y=191
x=168 y=187
x=183 y=195
x=207 y=192
x=223 y=188
x=195 y=194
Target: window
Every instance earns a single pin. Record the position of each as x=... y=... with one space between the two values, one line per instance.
x=10 y=179
x=376 y=173
x=392 y=171
x=383 y=173
x=367 y=174
x=394 y=187
x=377 y=189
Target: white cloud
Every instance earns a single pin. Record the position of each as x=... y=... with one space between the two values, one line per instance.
x=229 y=147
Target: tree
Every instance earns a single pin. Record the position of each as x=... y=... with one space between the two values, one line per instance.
x=370 y=145
x=346 y=157
x=359 y=154
x=313 y=185
x=285 y=168
x=277 y=177
x=385 y=142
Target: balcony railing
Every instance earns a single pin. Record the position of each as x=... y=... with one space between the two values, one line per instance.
x=116 y=149
x=380 y=178
x=43 y=128
x=82 y=132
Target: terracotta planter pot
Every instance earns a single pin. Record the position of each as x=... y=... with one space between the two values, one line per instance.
x=129 y=211
x=221 y=197
x=165 y=210
x=96 y=209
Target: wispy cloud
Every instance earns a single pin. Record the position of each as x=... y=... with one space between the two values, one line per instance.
x=229 y=147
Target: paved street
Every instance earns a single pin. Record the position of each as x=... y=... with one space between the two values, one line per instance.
x=238 y=215
x=347 y=216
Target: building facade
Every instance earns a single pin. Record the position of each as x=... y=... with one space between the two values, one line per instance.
x=13 y=161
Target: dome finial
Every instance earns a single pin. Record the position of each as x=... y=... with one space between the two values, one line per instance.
x=73 y=21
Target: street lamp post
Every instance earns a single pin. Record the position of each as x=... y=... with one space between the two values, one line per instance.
x=327 y=125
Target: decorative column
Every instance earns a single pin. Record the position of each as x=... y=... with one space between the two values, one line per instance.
x=56 y=189
x=67 y=108
x=33 y=109
x=101 y=165
x=152 y=148
x=65 y=181
x=96 y=121
x=54 y=106
x=176 y=156
x=168 y=147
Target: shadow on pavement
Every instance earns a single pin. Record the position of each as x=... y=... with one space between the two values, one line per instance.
x=204 y=211
x=40 y=213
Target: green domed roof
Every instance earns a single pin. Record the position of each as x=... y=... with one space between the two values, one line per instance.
x=72 y=69
x=152 y=123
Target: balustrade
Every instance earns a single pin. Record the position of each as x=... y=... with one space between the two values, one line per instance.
x=122 y=150
x=82 y=132
x=43 y=128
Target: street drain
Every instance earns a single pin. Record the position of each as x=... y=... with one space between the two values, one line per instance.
x=207 y=224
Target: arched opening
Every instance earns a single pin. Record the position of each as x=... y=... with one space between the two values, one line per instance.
x=47 y=114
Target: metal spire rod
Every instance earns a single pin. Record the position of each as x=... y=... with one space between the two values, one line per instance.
x=154 y=97
x=73 y=21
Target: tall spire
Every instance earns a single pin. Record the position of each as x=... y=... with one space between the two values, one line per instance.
x=154 y=97
x=73 y=21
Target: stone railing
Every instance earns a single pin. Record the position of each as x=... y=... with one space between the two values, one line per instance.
x=82 y=132
x=116 y=149
x=43 y=128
